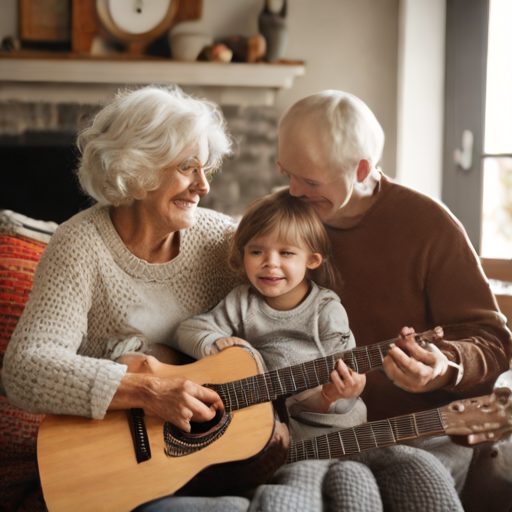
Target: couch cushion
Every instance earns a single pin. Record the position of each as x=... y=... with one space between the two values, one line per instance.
x=18 y=429
x=18 y=261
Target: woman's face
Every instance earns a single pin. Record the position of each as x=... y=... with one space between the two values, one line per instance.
x=312 y=179
x=173 y=205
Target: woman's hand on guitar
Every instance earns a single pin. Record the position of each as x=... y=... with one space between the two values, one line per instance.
x=173 y=399
x=345 y=383
x=417 y=369
x=224 y=343
x=180 y=401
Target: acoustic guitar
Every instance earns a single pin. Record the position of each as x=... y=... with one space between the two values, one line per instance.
x=127 y=459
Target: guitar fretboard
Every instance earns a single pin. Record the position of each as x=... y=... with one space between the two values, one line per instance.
x=266 y=387
x=367 y=436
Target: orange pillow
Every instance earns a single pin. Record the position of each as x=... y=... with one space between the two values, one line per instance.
x=18 y=429
x=18 y=261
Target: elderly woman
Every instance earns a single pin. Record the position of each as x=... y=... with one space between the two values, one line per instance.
x=122 y=274
x=404 y=260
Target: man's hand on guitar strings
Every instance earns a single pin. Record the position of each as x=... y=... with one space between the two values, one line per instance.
x=416 y=369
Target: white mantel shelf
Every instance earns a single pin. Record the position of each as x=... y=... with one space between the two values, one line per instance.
x=65 y=79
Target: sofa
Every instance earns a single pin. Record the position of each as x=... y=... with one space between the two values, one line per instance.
x=22 y=241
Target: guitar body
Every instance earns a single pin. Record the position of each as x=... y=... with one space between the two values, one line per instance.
x=89 y=464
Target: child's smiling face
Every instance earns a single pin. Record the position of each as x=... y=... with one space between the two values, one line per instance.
x=277 y=269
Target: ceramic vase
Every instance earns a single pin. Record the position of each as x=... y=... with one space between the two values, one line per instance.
x=272 y=25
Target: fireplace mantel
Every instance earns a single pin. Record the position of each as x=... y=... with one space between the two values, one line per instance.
x=92 y=80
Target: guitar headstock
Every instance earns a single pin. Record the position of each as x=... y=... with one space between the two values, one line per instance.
x=424 y=338
x=485 y=418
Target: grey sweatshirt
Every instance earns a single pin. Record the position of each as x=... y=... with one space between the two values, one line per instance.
x=315 y=328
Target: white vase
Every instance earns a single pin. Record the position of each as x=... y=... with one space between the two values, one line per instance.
x=187 y=47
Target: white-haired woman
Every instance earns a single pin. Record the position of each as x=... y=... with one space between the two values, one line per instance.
x=404 y=261
x=122 y=274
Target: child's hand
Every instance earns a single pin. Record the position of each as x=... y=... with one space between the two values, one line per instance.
x=223 y=343
x=345 y=383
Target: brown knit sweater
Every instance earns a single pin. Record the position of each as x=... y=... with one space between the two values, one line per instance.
x=408 y=261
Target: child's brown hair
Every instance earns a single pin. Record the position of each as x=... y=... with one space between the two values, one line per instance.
x=294 y=220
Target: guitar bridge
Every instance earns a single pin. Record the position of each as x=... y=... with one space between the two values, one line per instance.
x=139 y=435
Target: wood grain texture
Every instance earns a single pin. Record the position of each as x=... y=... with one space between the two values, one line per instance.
x=84 y=25
x=189 y=10
x=45 y=20
x=90 y=464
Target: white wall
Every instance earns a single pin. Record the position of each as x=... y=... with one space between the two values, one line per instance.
x=8 y=18
x=421 y=95
x=350 y=45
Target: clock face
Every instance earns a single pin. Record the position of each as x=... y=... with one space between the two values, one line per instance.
x=138 y=16
x=136 y=20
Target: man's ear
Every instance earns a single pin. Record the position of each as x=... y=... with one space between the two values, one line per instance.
x=363 y=169
x=314 y=261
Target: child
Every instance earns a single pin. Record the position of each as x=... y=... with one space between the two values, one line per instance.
x=281 y=313
x=289 y=320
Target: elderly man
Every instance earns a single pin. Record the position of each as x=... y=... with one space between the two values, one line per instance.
x=404 y=260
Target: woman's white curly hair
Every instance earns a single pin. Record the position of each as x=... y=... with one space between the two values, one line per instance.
x=140 y=133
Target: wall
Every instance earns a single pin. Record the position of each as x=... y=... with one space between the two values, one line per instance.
x=352 y=46
x=8 y=18
x=347 y=44
x=421 y=95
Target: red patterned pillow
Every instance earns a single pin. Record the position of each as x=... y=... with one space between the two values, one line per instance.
x=18 y=261
x=18 y=429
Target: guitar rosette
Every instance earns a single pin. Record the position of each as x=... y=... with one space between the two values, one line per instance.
x=179 y=443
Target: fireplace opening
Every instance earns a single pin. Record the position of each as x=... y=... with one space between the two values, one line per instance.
x=38 y=176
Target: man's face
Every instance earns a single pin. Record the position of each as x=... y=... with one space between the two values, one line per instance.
x=303 y=160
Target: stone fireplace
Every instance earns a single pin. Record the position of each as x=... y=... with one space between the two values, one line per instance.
x=41 y=113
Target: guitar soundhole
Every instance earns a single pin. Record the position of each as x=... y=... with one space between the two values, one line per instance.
x=179 y=443
x=197 y=427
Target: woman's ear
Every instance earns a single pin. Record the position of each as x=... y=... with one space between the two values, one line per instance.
x=314 y=261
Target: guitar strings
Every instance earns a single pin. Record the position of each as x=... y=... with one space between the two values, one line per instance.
x=287 y=381
x=367 y=436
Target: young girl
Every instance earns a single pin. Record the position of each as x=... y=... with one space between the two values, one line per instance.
x=282 y=313
x=279 y=244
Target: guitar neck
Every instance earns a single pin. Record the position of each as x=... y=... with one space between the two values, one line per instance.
x=368 y=436
x=267 y=387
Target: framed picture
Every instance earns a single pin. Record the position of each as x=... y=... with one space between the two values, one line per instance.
x=45 y=21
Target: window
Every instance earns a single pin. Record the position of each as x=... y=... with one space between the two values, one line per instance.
x=496 y=231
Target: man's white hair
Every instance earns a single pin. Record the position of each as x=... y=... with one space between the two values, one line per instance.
x=140 y=133
x=346 y=128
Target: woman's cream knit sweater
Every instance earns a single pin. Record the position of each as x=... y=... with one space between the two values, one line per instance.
x=90 y=291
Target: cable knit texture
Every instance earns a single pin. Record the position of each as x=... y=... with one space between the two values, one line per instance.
x=89 y=288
